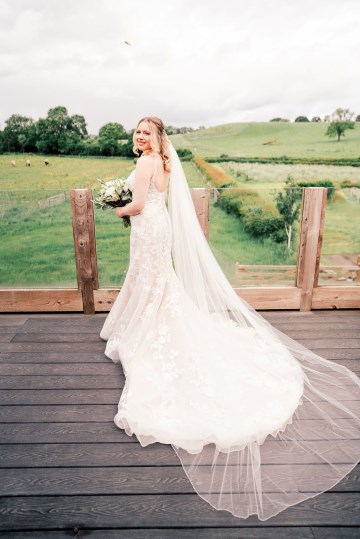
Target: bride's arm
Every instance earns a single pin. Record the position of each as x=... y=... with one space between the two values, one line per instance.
x=143 y=172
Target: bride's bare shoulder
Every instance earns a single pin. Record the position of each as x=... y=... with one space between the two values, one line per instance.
x=145 y=162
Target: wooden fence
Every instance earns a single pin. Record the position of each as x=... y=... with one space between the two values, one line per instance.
x=300 y=291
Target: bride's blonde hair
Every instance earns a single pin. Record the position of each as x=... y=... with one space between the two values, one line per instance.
x=158 y=139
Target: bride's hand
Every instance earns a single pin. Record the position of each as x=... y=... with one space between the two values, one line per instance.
x=118 y=212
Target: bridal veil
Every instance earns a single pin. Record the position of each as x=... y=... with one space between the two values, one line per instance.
x=314 y=448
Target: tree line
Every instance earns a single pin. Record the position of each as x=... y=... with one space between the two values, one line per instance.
x=339 y=122
x=62 y=134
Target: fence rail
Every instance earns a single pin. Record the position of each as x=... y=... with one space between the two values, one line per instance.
x=270 y=274
x=301 y=286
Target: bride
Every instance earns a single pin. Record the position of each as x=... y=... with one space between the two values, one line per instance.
x=258 y=422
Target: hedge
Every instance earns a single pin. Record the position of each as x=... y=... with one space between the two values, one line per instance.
x=284 y=159
x=260 y=218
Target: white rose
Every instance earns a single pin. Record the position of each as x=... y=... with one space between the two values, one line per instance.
x=110 y=191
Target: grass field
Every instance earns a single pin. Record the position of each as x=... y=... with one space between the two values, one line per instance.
x=37 y=243
x=263 y=174
x=63 y=173
x=342 y=217
x=270 y=139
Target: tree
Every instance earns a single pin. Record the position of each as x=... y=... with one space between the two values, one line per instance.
x=126 y=148
x=59 y=132
x=19 y=134
x=357 y=119
x=78 y=125
x=110 y=136
x=340 y=121
x=301 y=119
x=288 y=203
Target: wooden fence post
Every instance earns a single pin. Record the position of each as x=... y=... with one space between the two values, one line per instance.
x=311 y=235
x=201 y=200
x=85 y=246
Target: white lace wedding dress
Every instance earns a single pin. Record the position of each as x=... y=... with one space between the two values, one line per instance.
x=249 y=412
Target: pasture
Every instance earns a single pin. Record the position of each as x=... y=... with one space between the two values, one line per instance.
x=62 y=174
x=37 y=241
x=340 y=235
x=270 y=139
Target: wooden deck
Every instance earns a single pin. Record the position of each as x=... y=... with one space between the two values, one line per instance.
x=67 y=471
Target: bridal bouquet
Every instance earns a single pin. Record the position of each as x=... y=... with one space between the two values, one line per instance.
x=112 y=194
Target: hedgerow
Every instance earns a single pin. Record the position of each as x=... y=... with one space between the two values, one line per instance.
x=260 y=218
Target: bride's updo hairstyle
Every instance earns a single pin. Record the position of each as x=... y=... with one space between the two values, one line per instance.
x=158 y=139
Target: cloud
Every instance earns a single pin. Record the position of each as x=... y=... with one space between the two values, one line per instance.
x=190 y=63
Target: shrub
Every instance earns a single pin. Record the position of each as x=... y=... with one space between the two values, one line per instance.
x=216 y=176
x=350 y=183
x=320 y=183
x=185 y=154
x=259 y=217
x=230 y=200
x=261 y=223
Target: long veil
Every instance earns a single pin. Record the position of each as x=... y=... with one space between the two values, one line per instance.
x=318 y=445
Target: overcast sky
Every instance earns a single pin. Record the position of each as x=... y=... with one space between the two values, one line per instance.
x=190 y=62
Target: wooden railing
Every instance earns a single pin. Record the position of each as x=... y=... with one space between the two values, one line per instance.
x=302 y=290
x=263 y=275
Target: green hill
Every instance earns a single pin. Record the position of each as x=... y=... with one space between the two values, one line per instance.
x=270 y=139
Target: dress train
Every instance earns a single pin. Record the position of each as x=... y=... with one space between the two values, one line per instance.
x=258 y=422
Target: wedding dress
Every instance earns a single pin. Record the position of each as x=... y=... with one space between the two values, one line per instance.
x=258 y=422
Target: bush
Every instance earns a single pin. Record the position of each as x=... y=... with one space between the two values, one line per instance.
x=185 y=154
x=216 y=176
x=261 y=223
x=320 y=183
x=350 y=183
x=230 y=201
x=259 y=217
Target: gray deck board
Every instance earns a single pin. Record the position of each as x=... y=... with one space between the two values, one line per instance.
x=156 y=510
x=67 y=471
x=104 y=479
x=173 y=533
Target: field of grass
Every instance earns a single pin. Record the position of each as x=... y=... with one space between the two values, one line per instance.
x=341 y=230
x=342 y=217
x=37 y=248
x=37 y=243
x=270 y=139
x=262 y=174
x=62 y=174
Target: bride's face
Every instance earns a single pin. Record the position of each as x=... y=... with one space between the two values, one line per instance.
x=142 y=137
